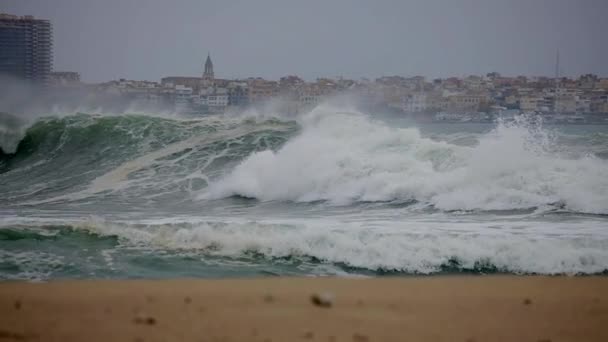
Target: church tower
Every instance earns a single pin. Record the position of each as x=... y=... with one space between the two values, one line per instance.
x=208 y=74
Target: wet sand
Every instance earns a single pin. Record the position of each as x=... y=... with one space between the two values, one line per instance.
x=475 y=308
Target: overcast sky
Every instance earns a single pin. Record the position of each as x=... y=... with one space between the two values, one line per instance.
x=150 y=39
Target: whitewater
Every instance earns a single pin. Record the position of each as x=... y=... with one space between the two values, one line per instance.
x=333 y=191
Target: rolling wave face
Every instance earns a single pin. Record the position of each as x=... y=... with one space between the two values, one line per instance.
x=122 y=157
x=347 y=158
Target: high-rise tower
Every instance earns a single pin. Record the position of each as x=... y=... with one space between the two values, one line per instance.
x=26 y=48
x=208 y=73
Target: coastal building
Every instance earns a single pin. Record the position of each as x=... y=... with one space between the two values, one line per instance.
x=463 y=102
x=173 y=81
x=217 y=99
x=566 y=104
x=309 y=96
x=415 y=103
x=183 y=98
x=238 y=94
x=26 y=48
x=290 y=83
x=64 y=78
x=261 y=90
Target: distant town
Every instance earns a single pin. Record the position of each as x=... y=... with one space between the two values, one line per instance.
x=474 y=98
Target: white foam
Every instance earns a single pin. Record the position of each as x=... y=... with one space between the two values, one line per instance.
x=346 y=157
x=32 y=265
x=411 y=246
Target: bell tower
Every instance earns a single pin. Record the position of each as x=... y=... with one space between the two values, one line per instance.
x=208 y=73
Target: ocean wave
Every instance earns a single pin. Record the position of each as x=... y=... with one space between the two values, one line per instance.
x=345 y=158
x=69 y=158
x=331 y=154
x=402 y=247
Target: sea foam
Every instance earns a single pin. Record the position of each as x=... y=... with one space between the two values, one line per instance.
x=346 y=157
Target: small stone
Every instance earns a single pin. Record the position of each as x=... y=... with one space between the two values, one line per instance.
x=309 y=335
x=360 y=338
x=331 y=338
x=187 y=300
x=527 y=301
x=268 y=298
x=324 y=300
x=145 y=320
x=17 y=305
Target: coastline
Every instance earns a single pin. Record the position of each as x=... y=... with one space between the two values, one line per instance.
x=440 y=308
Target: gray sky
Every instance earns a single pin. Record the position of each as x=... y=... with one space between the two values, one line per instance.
x=150 y=39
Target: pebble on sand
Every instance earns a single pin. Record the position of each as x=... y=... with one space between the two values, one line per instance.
x=145 y=320
x=324 y=300
x=268 y=298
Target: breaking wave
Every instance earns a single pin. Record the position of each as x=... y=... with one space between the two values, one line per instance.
x=346 y=157
x=350 y=248
x=332 y=191
x=329 y=155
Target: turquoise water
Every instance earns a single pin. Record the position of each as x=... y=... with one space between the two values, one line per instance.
x=331 y=192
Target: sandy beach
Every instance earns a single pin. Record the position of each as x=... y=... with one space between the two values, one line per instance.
x=498 y=308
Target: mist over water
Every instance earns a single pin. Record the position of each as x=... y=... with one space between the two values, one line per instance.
x=332 y=191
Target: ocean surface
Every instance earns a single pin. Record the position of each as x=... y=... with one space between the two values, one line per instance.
x=330 y=192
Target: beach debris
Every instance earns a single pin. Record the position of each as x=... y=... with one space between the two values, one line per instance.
x=360 y=338
x=17 y=304
x=268 y=298
x=187 y=300
x=527 y=301
x=147 y=320
x=324 y=299
x=309 y=335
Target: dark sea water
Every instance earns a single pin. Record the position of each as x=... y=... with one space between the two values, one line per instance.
x=331 y=192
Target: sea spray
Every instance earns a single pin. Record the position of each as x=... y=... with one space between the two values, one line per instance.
x=345 y=158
